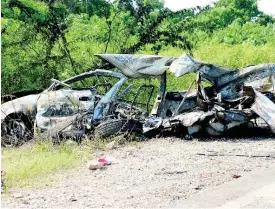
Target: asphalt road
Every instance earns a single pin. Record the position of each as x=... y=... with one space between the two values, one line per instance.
x=254 y=190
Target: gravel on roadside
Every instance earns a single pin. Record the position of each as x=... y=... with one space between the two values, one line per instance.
x=156 y=173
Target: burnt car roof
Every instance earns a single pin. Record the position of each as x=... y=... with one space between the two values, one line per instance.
x=139 y=66
x=94 y=72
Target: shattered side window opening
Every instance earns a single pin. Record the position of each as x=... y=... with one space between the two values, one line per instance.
x=182 y=83
x=143 y=95
x=102 y=84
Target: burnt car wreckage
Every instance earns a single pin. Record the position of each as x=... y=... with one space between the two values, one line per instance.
x=235 y=98
x=67 y=109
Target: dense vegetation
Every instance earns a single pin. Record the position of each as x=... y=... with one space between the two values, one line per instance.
x=58 y=38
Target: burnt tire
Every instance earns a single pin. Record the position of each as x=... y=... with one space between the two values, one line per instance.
x=118 y=126
x=15 y=130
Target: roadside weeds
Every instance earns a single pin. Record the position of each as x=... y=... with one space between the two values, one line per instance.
x=34 y=162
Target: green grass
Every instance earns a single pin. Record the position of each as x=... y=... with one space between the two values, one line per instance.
x=28 y=163
x=230 y=56
x=33 y=164
x=236 y=56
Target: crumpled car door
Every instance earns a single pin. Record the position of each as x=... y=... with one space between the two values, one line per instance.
x=54 y=107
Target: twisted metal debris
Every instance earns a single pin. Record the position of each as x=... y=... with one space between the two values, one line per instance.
x=94 y=102
x=236 y=98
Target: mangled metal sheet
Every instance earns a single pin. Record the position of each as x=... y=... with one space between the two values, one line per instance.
x=189 y=119
x=230 y=103
x=265 y=109
x=259 y=77
x=187 y=64
x=220 y=110
x=24 y=104
x=227 y=81
x=139 y=66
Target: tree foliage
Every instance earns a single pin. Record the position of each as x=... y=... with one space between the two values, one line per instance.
x=42 y=39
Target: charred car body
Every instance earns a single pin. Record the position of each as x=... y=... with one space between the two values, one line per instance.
x=73 y=108
x=235 y=98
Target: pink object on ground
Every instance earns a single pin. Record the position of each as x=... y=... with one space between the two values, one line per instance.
x=104 y=161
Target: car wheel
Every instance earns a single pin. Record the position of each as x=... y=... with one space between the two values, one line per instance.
x=116 y=126
x=15 y=132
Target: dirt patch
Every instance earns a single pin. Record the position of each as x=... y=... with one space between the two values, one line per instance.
x=155 y=174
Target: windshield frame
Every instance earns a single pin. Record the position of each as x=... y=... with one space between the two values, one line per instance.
x=98 y=72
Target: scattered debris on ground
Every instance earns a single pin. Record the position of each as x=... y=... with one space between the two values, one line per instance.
x=98 y=164
x=236 y=176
